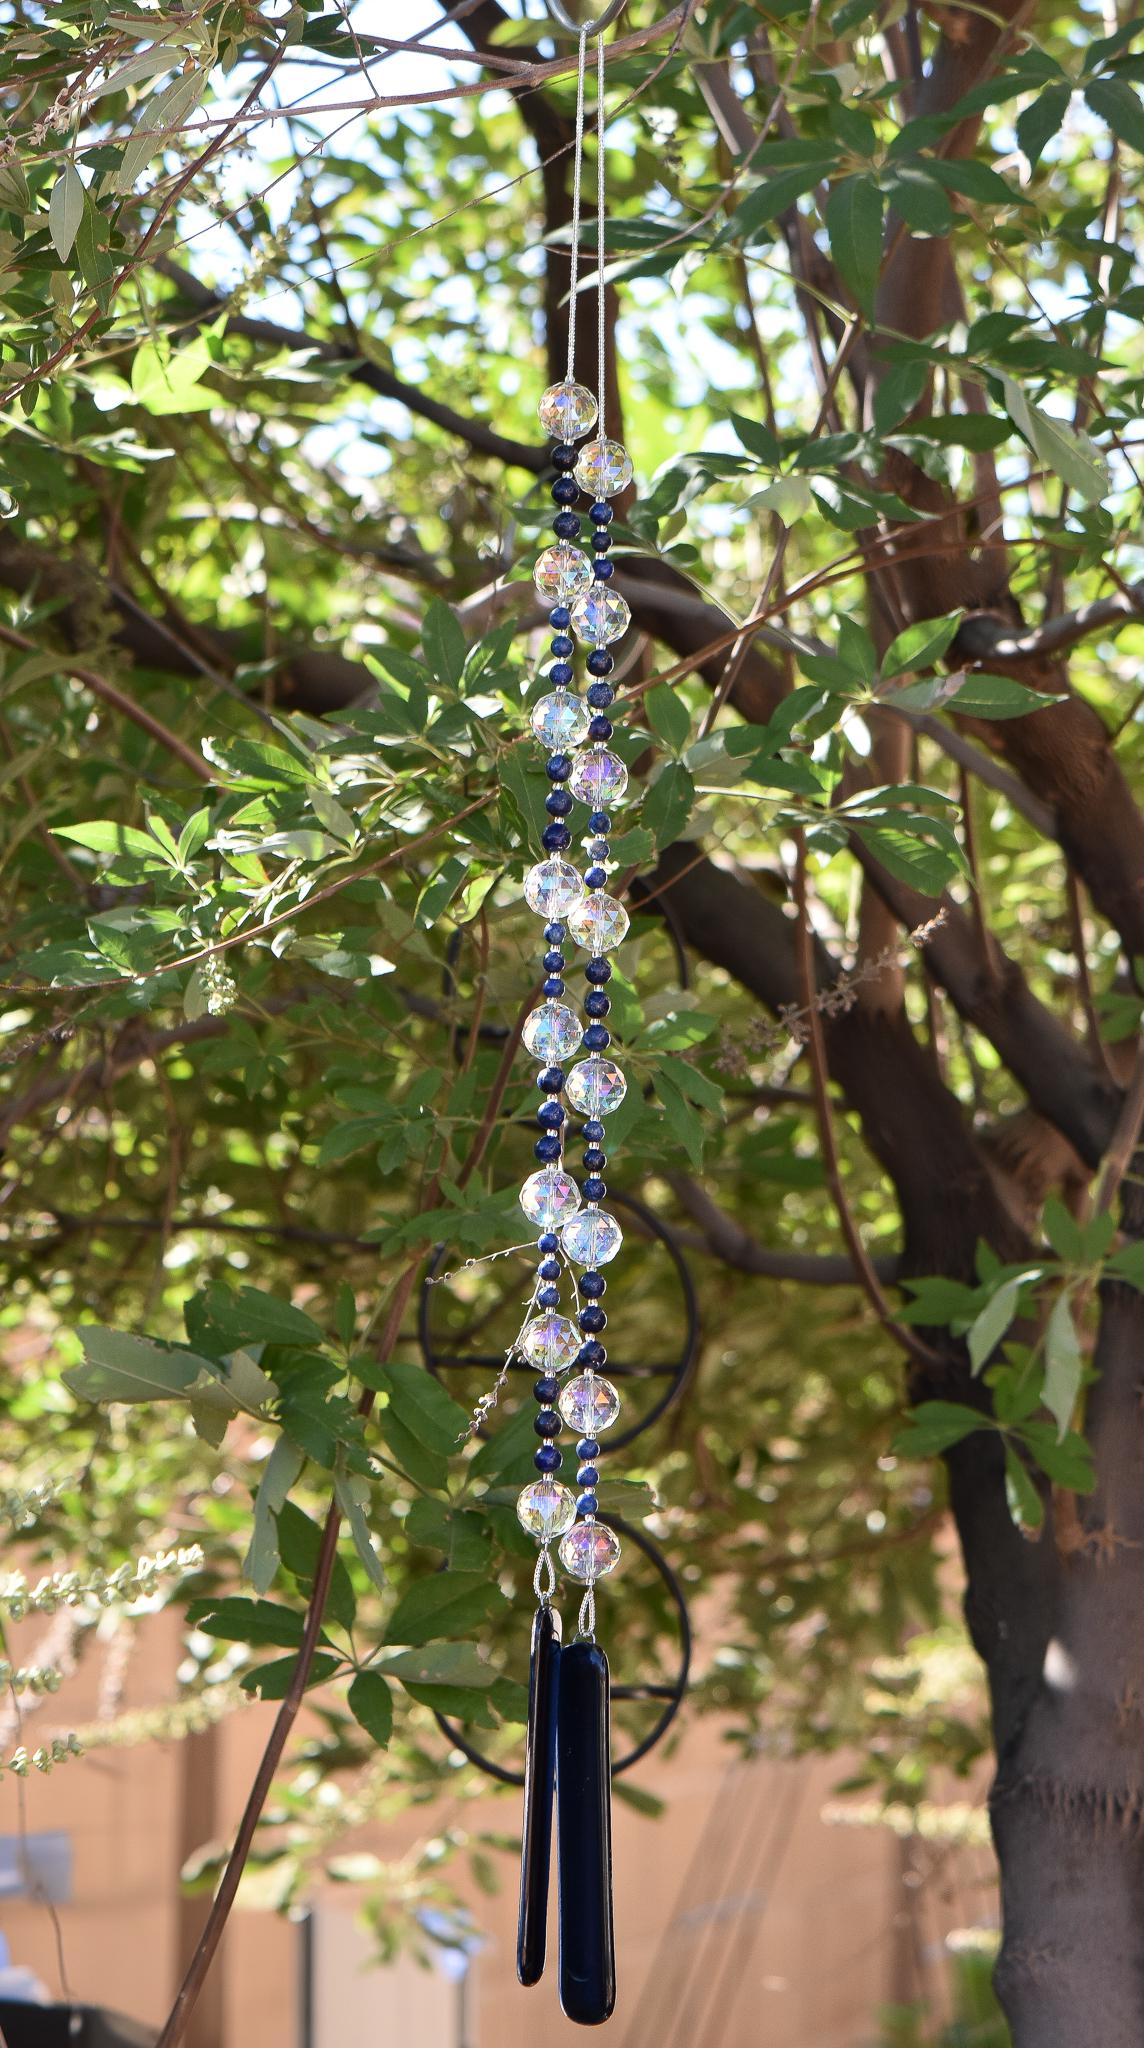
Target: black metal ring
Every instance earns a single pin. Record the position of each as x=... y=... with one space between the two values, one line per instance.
x=678 y=1372
x=673 y=1695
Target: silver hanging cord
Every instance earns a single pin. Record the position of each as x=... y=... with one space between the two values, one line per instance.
x=601 y=359
x=608 y=15
x=544 y=1577
x=577 y=178
x=586 y=1624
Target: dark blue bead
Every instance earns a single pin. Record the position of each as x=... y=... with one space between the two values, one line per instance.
x=587 y=1504
x=600 y=695
x=556 y=838
x=587 y=1447
x=552 y=986
x=594 y=1189
x=561 y=674
x=588 y=1475
x=600 y=728
x=563 y=455
x=592 y=1353
x=596 y=1039
x=600 y=662
x=599 y=822
x=549 y=1297
x=558 y=767
x=547 y=1149
x=558 y=803
x=594 y=1160
x=551 y=1115
x=547 y=1423
x=562 y=646
x=556 y=933
x=592 y=1320
x=592 y=1285
x=560 y=617
x=565 y=490
x=550 y=1080
x=602 y=568
x=593 y=1132
x=601 y=513
x=598 y=972
x=547 y=1458
x=553 y=961
x=548 y=1241
x=545 y=1388
x=549 y=1269
x=596 y=877
x=597 y=1003
x=601 y=540
x=566 y=526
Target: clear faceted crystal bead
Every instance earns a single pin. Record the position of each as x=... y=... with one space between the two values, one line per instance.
x=596 y=1086
x=603 y=468
x=600 y=615
x=546 y=1509
x=589 y=1551
x=567 y=410
x=561 y=573
x=560 y=720
x=550 y=1197
x=550 y=1343
x=589 y=1404
x=598 y=778
x=552 y=1032
x=592 y=1238
x=597 y=922
x=552 y=887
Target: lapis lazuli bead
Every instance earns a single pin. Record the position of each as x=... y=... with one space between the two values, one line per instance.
x=601 y=513
x=547 y=1149
x=596 y=1038
x=592 y=1354
x=547 y=1423
x=551 y=1115
x=600 y=728
x=600 y=695
x=598 y=971
x=557 y=838
x=602 y=566
x=549 y=1269
x=558 y=767
x=558 y=803
x=549 y=1297
x=563 y=646
x=564 y=455
x=548 y=1242
x=587 y=1447
x=592 y=1319
x=597 y=1003
x=596 y=877
x=592 y=1285
x=601 y=540
x=565 y=490
x=546 y=1458
x=553 y=961
x=594 y=1131
x=600 y=821
x=550 y=1080
x=560 y=616
x=587 y=1504
x=594 y=1189
x=553 y=986
x=600 y=662
x=594 y=1159
x=561 y=674
x=546 y=1388
x=566 y=526
x=588 y=1475
x=555 y=933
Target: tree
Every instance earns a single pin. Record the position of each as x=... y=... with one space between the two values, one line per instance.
x=278 y=307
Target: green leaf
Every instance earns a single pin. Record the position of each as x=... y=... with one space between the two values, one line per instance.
x=262 y=1623
x=853 y=218
x=458 y=1664
x=910 y=857
x=986 y=696
x=1060 y=448
x=65 y=210
x=1115 y=102
x=352 y=1494
x=443 y=639
x=935 y=1425
x=120 y=1367
x=273 y=1681
x=104 y=836
x=991 y=1324
x=253 y=1317
x=167 y=381
x=1025 y=1504
x=371 y=1704
x=773 y=197
x=301 y=1543
x=1041 y=120
x=668 y=716
x=668 y=803
x=282 y=1468
x=1064 y=1362
x=449 y=1604
x=419 y=1402
x=920 y=645
x=902 y=387
x=684 y=1123
x=757 y=439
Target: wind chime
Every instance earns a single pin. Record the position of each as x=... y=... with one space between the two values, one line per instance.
x=568 y=1743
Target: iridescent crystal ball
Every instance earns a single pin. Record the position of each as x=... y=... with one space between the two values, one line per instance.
x=603 y=468
x=546 y=1509
x=550 y=1197
x=567 y=411
x=560 y=720
x=589 y=1404
x=561 y=573
x=592 y=1237
x=598 y=778
x=600 y=614
x=552 y=1032
x=552 y=887
x=596 y=1086
x=597 y=922
x=550 y=1343
x=589 y=1551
